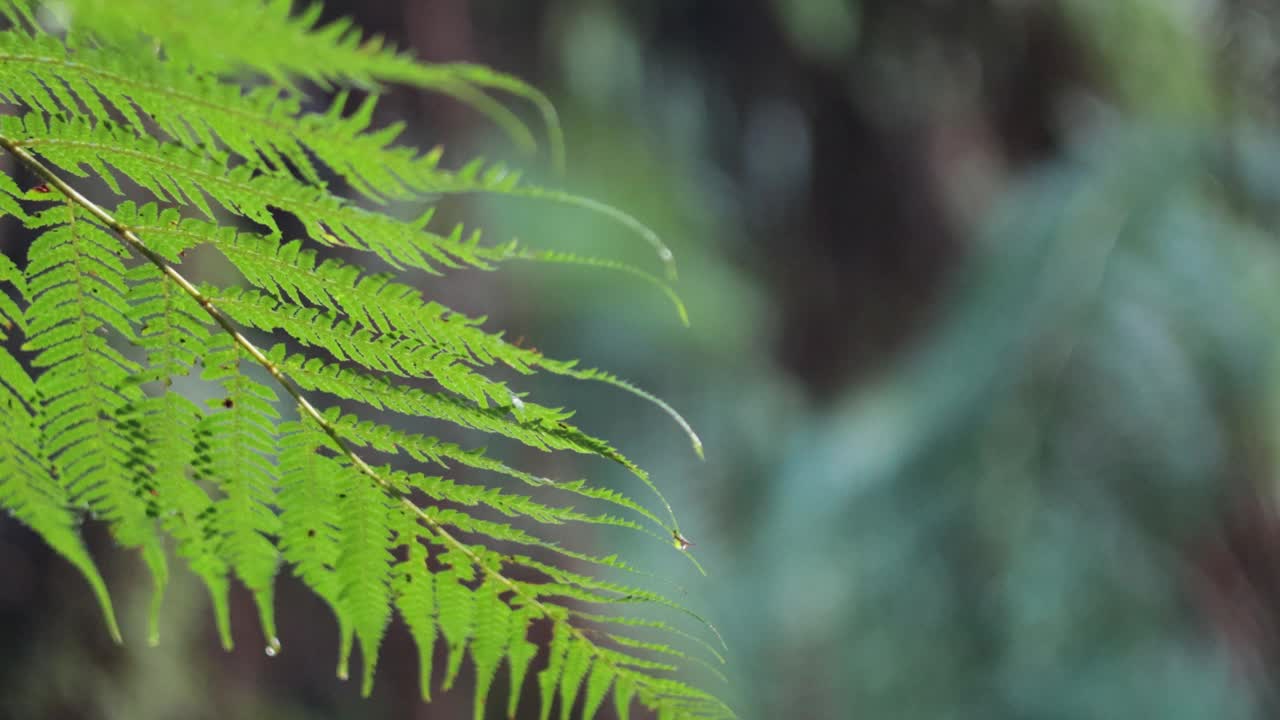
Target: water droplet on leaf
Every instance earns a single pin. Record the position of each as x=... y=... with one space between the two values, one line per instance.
x=273 y=647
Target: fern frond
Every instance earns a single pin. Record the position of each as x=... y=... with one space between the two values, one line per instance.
x=363 y=566
x=165 y=425
x=413 y=588
x=663 y=627
x=547 y=432
x=30 y=492
x=172 y=173
x=102 y=422
x=265 y=126
x=236 y=451
x=563 y=258
x=443 y=489
x=343 y=340
x=309 y=519
x=476 y=177
x=424 y=448
x=280 y=45
x=28 y=488
x=292 y=274
x=493 y=618
x=76 y=281
x=573 y=655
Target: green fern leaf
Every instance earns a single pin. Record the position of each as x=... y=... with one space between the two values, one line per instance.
x=273 y=42
x=172 y=334
x=174 y=174
x=597 y=687
x=457 y=610
x=520 y=655
x=236 y=450
x=101 y=422
x=577 y=662
x=549 y=678
x=414 y=588
x=363 y=566
x=76 y=280
x=27 y=487
x=493 y=617
x=310 y=522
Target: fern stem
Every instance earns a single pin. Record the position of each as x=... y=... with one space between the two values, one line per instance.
x=15 y=149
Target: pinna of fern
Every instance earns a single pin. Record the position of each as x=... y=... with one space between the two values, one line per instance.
x=264 y=477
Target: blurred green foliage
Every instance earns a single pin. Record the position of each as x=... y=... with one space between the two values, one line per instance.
x=1018 y=514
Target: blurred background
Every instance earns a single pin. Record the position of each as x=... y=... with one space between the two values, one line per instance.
x=984 y=298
